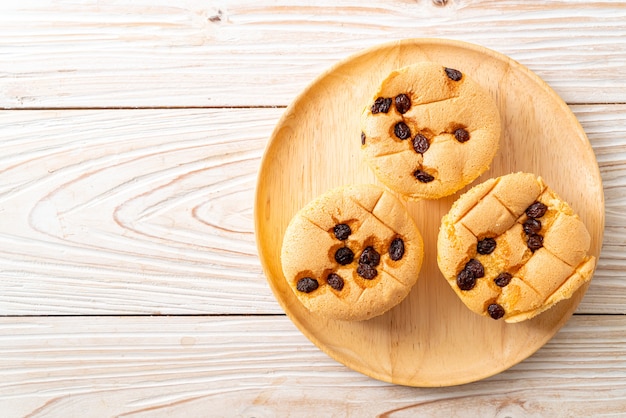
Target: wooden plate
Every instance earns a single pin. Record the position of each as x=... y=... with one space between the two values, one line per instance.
x=431 y=338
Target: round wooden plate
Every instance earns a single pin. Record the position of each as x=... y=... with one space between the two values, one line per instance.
x=431 y=338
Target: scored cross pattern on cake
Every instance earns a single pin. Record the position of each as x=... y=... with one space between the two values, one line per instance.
x=511 y=248
x=352 y=253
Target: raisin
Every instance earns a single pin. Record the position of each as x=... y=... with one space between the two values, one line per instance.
x=486 y=246
x=420 y=144
x=476 y=268
x=423 y=176
x=532 y=226
x=403 y=103
x=366 y=271
x=335 y=281
x=342 y=231
x=454 y=75
x=495 y=311
x=536 y=210
x=362 y=138
x=401 y=130
x=307 y=285
x=396 y=249
x=534 y=242
x=369 y=256
x=461 y=135
x=344 y=255
x=503 y=279
x=382 y=104
x=465 y=280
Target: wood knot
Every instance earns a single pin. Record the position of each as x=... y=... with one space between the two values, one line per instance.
x=440 y=3
x=216 y=17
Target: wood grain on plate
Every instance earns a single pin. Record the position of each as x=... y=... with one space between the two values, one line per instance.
x=430 y=339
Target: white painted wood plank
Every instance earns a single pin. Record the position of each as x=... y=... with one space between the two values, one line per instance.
x=263 y=366
x=241 y=53
x=150 y=211
x=604 y=126
x=131 y=211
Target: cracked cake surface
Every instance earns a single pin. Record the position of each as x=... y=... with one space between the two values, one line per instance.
x=511 y=248
x=352 y=253
x=429 y=131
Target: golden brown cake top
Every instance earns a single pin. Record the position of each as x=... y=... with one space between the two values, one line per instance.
x=429 y=130
x=352 y=253
x=510 y=247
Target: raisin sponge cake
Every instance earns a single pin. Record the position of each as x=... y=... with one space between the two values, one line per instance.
x=429 y=131
x=511 y=248
x=352 y=253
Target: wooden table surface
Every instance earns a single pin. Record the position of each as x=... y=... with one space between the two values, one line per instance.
x=130 y=138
